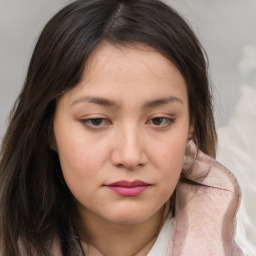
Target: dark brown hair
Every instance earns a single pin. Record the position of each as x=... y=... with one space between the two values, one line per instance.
x=35 y=204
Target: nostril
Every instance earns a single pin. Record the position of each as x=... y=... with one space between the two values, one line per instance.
x=120 y=165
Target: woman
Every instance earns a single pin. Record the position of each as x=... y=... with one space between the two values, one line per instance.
x=99 y=157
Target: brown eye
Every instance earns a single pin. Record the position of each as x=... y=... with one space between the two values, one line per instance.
x=157 y=120
x=161 y=121
x=96 y=122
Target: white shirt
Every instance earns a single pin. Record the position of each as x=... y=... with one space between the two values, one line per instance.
x=160 y=246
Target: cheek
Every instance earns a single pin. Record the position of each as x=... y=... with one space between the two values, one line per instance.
x=81 y=170
x=170 y=152
x=81 y=159
x=168 y=158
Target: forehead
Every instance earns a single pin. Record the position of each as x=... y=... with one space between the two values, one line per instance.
x=133 y=58
x=134 y=70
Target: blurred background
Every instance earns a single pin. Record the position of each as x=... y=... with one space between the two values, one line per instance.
x=226 y=29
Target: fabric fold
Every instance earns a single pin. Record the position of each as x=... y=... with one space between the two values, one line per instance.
x=205 y=215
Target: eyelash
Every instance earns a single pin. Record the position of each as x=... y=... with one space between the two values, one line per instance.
x=100 y=122
x=167 y=121
x=89 y=122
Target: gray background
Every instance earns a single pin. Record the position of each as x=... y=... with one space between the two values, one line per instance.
x=227 y=30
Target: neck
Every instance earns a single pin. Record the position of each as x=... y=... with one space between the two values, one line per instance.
x=110 y=239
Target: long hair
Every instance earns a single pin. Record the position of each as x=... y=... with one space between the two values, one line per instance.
x=35 y=203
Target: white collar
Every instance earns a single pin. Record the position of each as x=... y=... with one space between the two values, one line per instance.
x=161 y=244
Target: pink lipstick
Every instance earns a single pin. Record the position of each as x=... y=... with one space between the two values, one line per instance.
x=128 y=188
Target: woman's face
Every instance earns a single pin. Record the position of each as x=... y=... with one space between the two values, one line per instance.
x=121 y=133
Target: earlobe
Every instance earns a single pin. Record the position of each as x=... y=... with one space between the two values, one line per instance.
x=190 y=132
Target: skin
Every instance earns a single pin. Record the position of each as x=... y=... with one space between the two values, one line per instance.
x=128 y=119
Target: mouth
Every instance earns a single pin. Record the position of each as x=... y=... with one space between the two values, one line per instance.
x=128 y=188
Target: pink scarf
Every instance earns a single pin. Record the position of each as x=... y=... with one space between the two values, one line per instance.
x=205 y=217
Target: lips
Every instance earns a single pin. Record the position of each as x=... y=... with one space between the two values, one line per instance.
x=128 y=188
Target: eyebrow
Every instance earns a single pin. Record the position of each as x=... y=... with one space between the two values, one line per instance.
x=96 y=100
x=110 y=103
x=162 y=101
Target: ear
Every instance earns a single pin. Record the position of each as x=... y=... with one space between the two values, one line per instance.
x=53 y=145
x=190 y=131
x=51 y=140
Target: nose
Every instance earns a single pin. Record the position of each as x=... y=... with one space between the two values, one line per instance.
x=129 y=149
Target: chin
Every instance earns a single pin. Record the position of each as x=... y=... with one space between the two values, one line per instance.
x=128 y=220
x=131 y=216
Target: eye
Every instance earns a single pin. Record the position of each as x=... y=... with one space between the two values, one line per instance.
x=96 y=122
x=160 y=121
